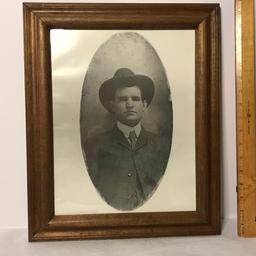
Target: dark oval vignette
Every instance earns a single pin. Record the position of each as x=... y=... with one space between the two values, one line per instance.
x=125 y=179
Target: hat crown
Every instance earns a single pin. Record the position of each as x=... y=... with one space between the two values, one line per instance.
x=125 y=77
x=123 y=72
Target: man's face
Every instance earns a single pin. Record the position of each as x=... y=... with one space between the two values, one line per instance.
x=128 y=105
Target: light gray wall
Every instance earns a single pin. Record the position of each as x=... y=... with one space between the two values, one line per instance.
x=12 y=112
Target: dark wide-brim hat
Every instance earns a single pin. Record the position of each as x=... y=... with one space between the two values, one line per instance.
x=124 y=77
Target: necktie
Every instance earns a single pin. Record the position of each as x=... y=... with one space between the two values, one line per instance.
x=132 y=138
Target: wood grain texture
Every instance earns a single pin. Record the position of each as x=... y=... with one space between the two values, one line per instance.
x=246 y=130
x=39 y=18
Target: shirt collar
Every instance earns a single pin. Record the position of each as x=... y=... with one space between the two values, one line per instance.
x=125 y=129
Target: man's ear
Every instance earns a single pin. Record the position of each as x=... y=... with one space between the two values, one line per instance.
x=145 y=104
x=112 y=106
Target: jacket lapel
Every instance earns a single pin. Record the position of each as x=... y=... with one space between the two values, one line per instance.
x=142 y=140
x=120 y=138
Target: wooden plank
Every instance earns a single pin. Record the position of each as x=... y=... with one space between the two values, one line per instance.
x=245 y=103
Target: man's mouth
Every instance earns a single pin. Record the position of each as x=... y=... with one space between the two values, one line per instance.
x=130 y=112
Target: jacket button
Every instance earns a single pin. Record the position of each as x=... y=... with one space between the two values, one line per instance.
x=129 y=174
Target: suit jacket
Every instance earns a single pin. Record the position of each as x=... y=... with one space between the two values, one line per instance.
x=126 y=177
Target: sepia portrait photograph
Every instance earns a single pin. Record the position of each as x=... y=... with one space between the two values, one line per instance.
x=123 y=121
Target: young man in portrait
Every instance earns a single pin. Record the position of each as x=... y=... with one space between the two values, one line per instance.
x=127 y=162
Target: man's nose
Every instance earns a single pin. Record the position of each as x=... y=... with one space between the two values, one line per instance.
x=129 y=103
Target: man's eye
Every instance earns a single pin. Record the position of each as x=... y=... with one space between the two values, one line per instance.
x=136 y=98
x=120 y=99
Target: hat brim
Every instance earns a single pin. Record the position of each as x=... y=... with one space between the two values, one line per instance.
x=108 y=88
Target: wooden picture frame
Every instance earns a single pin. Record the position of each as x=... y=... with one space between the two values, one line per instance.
x=39 y=19
x=245 y=118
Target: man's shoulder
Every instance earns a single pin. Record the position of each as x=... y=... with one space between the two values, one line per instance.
x=151 y=135
x=99 y=137
x=156 y=140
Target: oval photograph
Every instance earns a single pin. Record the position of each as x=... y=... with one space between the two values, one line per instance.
x=126 y=120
